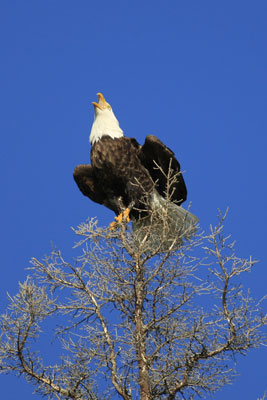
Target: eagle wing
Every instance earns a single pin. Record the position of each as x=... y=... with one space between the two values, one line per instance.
x=155 y=155
x=83 y=176
x=91 y=187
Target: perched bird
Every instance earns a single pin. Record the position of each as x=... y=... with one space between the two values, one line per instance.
x=128 y=178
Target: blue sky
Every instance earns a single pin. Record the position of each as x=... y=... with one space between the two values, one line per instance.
x=191 y=72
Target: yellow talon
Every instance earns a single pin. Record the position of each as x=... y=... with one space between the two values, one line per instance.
x=119 y=218
x=112 y=226
x=124 y=215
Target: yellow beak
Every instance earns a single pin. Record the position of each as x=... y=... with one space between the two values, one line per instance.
x=102 y=104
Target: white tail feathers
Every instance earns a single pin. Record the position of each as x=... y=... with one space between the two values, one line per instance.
x=166 y=227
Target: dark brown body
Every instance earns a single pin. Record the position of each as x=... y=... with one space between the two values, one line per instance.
x=122 y=172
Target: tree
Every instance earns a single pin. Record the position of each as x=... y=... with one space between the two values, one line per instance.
x=137 y=318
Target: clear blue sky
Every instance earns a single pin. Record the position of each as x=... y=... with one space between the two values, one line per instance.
x=194 y=73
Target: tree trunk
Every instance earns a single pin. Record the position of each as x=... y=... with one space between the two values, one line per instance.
x=141 y=336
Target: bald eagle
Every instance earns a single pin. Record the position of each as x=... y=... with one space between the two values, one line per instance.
x=128 y=178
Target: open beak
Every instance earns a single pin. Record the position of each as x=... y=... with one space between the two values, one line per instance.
x=102 y=104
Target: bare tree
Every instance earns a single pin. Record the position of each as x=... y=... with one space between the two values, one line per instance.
x=140 y=318
x=264 y=396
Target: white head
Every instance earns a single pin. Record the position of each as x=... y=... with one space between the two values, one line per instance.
x=105 y=122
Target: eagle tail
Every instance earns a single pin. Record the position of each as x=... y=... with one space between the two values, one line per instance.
x=166 y=227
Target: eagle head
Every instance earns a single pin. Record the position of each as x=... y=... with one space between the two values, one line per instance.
x=105 y=122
